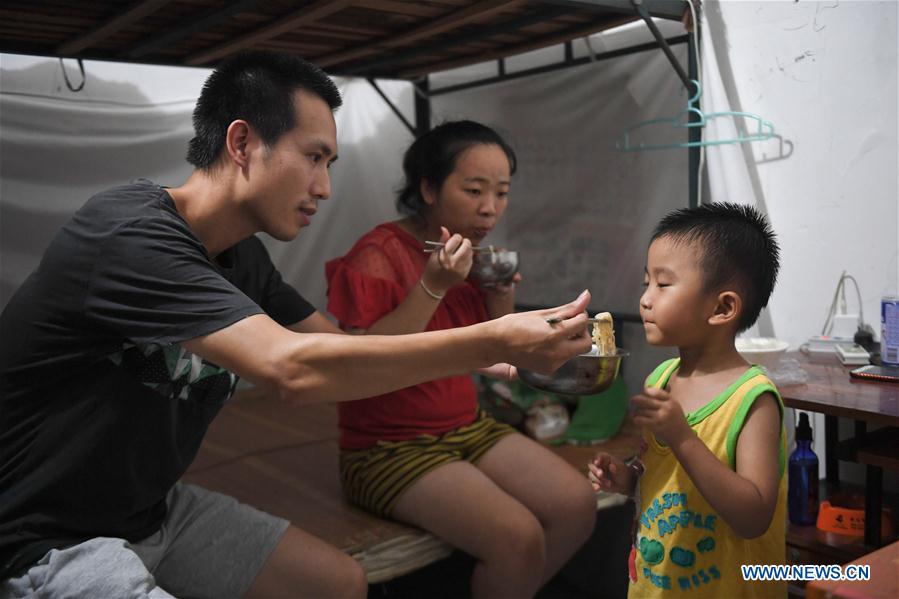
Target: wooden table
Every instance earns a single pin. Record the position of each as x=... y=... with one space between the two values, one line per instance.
x=832 y=392
x=884 y=581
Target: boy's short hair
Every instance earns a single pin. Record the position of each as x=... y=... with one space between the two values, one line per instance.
x=737 y=245
x=258 y=87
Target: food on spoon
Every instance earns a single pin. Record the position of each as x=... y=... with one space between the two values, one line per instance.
x=604 y=334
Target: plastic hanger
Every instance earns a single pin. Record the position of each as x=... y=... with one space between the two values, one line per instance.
x=763 y=131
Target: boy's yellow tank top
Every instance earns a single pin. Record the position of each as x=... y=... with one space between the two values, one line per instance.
x=683 y=547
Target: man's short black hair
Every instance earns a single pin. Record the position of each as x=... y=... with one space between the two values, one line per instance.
x=258 y=87
x=737 y=246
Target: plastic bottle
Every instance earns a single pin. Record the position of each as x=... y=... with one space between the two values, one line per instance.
x=802 y=497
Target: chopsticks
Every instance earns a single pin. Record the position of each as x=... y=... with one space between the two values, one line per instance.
x=558 y=319
x=436 y=247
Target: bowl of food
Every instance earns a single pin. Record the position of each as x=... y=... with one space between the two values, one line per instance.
x=494 y=266
x=584 y=374
x=764 y=351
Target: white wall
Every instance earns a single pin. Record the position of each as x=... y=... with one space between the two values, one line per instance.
x=825 y=74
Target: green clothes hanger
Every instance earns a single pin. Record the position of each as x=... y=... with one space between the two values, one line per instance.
x=694 y=117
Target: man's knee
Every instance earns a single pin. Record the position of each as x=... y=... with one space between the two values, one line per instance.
x=356 y=582
x=305 y=565
x=345 y=579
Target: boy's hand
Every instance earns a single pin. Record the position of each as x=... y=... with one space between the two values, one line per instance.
x=662 y=415
x=608 y=473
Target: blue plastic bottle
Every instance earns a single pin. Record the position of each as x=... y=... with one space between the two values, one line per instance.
x=802 y=497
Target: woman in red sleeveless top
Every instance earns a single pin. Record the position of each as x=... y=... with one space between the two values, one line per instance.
x=427 y=455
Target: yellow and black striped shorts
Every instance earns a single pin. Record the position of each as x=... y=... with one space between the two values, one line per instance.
x=375 y=478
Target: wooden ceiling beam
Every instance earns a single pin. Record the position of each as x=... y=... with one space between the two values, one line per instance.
x=355 y=34
x=403 y=8
x=204 y=22
x=666 y=9
x=306 y=15
x=509 y=27
x=18 y=18
x=453 y=20
x=542 y=42
x=135 y=12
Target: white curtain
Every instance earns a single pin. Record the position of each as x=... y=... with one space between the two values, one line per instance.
x=581 y=211
x=57 y=148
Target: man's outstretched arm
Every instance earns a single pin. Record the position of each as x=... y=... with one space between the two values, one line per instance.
x=321 y=367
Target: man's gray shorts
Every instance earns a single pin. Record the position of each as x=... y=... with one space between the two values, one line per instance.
x=209 y=546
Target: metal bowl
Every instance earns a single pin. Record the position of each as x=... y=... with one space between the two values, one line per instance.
x=584 y=374
x=492 y=268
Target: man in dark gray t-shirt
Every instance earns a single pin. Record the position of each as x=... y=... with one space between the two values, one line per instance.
x=117 y=352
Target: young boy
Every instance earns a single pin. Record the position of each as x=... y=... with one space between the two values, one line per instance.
x=713 y=495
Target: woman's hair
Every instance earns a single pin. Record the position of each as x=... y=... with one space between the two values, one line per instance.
x=432 y=157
